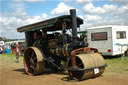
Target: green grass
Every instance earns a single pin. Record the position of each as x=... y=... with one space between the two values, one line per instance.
x=10 y=56
x=117 y=66
x=10 y=59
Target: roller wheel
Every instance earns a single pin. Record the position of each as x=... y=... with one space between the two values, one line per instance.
x=33 y=63
x=87 y=66
x=76 y=74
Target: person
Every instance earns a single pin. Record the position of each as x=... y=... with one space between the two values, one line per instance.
x=37 y=36
x=40 y=40
x=14 y=48
x=17 y=53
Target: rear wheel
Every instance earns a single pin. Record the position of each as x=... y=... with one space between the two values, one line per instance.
x=33 y=63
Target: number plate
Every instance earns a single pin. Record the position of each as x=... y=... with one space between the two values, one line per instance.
x=96 y=70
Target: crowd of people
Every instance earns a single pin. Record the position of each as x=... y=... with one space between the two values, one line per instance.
x=3 y=48
x=13 y=48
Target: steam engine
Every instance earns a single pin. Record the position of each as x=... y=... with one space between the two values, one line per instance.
x=61 y=50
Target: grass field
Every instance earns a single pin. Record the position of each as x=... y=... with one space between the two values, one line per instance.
x=116 y=66
x=10 y=58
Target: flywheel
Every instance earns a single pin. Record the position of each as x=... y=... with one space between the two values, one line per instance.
x=33 y=63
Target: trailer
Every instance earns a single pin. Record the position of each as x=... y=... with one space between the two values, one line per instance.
x=2 y=43
x=110 y=40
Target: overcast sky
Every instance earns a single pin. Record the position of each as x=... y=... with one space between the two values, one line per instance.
x=17 y=13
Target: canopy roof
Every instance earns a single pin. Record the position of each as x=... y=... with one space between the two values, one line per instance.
x=53 y=24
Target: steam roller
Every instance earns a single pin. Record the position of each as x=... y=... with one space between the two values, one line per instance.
x=87 y=65
x=51 y=46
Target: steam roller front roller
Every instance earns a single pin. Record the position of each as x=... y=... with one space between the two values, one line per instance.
x=88 y=65
x=33 y=63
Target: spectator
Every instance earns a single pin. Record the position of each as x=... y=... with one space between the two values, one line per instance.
x=14 y=48
x=17 y=53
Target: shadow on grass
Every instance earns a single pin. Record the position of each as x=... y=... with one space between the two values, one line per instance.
x=21 y=70
x=54 y=72
x=112 y=57
x=46 y=72
x=70 y=79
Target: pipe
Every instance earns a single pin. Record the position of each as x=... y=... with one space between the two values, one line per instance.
x=74 y=23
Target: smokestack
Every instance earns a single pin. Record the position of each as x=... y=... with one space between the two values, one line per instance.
x=74 y=23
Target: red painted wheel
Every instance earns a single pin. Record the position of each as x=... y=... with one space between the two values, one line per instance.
x=33 y=63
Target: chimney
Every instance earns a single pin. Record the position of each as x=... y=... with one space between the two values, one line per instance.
x=74 y=23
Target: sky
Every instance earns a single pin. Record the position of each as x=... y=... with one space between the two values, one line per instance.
x=17 y=13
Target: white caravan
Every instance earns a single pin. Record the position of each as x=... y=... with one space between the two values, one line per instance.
x=1 y=43
x=109 y=40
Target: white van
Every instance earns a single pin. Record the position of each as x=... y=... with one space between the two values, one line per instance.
x=2 y=43
x=109 y=40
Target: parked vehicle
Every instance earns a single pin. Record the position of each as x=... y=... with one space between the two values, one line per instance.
x=109 y=40
x=2 y=43
x=60 y=51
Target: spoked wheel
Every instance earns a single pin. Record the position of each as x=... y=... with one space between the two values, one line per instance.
x=33 y=63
